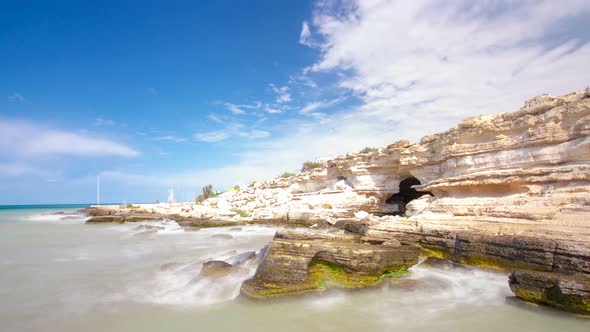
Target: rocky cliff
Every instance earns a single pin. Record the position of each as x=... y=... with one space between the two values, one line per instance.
x=506 y=191
x=531 y=165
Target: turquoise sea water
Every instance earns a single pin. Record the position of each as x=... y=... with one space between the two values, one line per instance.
x=59 y=274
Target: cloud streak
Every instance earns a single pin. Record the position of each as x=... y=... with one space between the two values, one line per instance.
x=30 y=140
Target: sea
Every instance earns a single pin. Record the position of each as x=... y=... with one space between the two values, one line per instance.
x=59 y=274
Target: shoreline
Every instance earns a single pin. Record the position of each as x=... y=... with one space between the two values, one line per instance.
x=509 y=191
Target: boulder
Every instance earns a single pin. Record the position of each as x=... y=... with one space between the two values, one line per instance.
x=299 y=262
x=566 y=292
x=241 y=258
x=216 y=269
x=106 y=219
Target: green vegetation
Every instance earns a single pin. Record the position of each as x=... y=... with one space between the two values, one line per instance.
x=287 y=175
x=208 y=192
x=308 y=165
x=320 y=276
x=131 y=206
x=368 y=150
x=241 y=213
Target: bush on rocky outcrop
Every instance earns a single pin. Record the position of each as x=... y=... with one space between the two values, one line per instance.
x=309 y=165
x=287 y=175
x=208 y=192
x=368 y=150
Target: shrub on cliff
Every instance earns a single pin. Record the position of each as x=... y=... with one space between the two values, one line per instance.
x=287 y=175
x=308 y=165
x=368 y=150
x=208 y=192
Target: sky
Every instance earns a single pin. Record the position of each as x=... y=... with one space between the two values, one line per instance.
x=151 y=95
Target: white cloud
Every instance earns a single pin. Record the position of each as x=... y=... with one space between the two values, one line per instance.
x=309 y=109
x=231 y=130
x=104 y=122
x=214 y=118
x=283 y=94
x=240 y=109
x=212 y=136
x=254 y=133
x=30 y=140
x=169 y=138
x=305 y=35
x=272 y=110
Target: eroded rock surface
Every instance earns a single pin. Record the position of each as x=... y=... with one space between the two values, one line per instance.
x=298 y=262
x=567 y=292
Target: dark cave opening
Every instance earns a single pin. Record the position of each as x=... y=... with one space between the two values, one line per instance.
x=406 y=194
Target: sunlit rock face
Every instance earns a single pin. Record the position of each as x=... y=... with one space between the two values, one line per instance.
x=532 y=164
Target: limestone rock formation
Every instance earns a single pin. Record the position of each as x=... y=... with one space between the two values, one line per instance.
x=217 y=269
x=508 y=191
x=298 y=262
x=568 y=292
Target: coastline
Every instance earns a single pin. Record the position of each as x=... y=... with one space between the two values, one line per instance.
x=509 y=192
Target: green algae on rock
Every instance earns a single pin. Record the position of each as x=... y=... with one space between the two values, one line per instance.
x=300 y=262
x=566 y=292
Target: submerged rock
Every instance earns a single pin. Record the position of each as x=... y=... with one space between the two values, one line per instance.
x=241 y=258
x=299 y=262
x=146 y=233
x=216 y=269
x=222 y=236
x=566 y=292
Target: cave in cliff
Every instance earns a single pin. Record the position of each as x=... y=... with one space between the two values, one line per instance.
x=406 y=194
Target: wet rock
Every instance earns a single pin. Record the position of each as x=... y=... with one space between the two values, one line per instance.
x=566 y=292
x=96 y=212
x=222 y=236
x=260 y=255
x=441 y=263
x=481 y=245
x=241 y=258
x=146 y=233
x=216 y=269
x=236 y=229
x=140 y=218
x=299 y=262
x=407 y=284
x=106 y=219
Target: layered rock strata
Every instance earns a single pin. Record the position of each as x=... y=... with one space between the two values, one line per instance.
x=568 y=292
x=299 y=262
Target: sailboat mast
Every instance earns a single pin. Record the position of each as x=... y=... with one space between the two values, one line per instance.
x=98 y=190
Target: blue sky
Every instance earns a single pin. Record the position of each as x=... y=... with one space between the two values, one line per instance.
x=157 y=94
